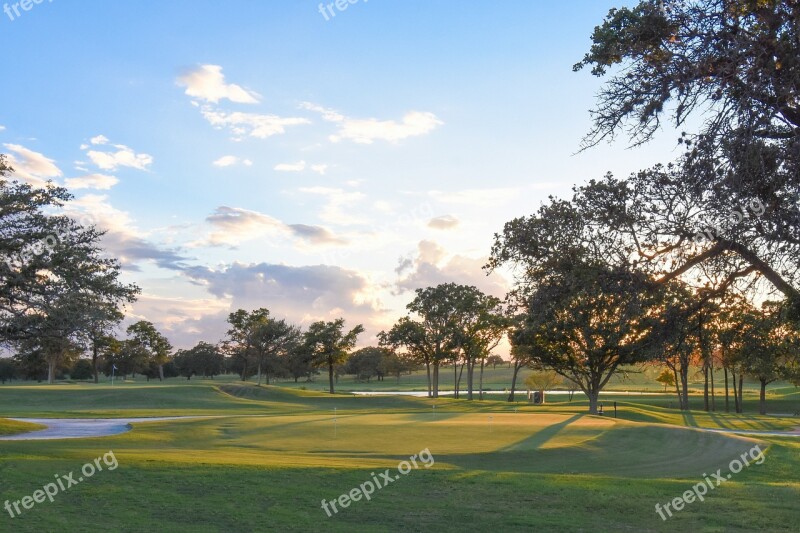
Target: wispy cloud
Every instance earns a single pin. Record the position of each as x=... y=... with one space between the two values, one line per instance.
x=92 y=181
x=122 y=157
x=206 y=82
x=231 y=160
x=369 y=130
x=255 y=125
x=291 y=167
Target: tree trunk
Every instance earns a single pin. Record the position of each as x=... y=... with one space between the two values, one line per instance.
x=593 y=397
x=259 y=373
x=455 y=379
x=713 y=399
x=727 y=402
x=330 y=376
x=685 y=386
x=706 y=406
x=51 y=370
x=470 y=378
x=460 y=374
x=762 y=398
x=517 y=366
x=678 y=389
x=160 y=372
x=735 y=392
x=94 y=362
x=436 y=379
x=480 y=382
x=428 y=368
x=741 y=390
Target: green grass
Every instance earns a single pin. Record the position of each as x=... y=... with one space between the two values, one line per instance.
x=274 y=453
x=12 y=427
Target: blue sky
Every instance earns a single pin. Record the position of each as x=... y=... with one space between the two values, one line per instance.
x=249 y=154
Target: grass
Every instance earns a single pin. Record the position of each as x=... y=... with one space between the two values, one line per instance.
x=12 y=427
x=274 y=453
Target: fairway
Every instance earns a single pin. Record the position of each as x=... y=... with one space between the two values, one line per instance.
x=271 y=455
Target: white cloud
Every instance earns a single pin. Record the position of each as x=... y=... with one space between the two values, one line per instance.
x=319 y=169
x=2 y=128
x=100 y=139
x=207 y=82
x=434 y=265
x=230 y=160
x=444 y=222
x=92 y=181
x=123 y=157
x=301 y=294
x=367 y=131
x=234 y=225
x=183 y=315
x=251 y=124
x=31 y=166
x=291 y=167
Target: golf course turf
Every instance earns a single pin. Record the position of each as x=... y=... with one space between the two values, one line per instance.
x=273 y=454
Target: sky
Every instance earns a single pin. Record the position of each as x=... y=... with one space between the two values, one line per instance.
x=291 y=155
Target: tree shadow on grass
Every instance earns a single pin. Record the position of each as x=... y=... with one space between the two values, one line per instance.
x=540 y=438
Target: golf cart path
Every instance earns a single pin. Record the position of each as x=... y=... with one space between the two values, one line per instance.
x=793 y=433
x=81 y=428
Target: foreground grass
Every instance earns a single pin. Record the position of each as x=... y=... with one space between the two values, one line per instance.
x=274 y=454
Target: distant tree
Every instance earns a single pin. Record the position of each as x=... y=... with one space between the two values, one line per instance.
x=299 y=363
x=393 y=364
x=367 y=362
x=495 y=360
x=82 y=370
x=8 y=370
x=102 y=318
x=542 y=381
x=666 y=378
x=436 y=336
x=479 y=325
x=128 y=356
x=203 y=359
x=769 y=348
x=32 y=364
x=412 y=336
x=329 y=345
x=157 y=349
